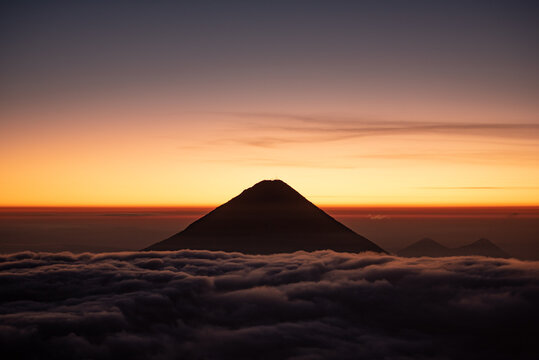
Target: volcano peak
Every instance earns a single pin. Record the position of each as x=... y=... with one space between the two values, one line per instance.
x=270 y=191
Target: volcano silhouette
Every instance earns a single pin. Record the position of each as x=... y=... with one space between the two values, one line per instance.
x=429 y=247
x=425 y=247
x=269 y=217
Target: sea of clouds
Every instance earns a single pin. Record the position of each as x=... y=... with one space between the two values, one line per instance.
x=216 y=305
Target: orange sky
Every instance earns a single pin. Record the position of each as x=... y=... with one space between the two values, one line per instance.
x=155 y=157
x=348 y=102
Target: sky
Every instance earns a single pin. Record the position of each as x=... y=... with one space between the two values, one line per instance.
x=188 y=103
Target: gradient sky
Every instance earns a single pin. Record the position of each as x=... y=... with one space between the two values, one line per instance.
x=350 y=102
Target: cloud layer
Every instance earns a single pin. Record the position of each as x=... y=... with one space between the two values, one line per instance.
x=215 y=305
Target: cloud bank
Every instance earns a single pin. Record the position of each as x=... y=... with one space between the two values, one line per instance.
x=215 y=305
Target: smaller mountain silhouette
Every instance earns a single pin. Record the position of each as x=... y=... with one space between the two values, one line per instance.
x=269 y=217
x=425 y=247
x=429 y=247
x=482 y=247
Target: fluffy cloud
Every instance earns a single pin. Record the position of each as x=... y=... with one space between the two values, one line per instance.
x=215 y=305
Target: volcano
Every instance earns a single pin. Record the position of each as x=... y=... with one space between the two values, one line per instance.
x=483 y=247
x=425 y=247
x=270 y=217
x=429 y=247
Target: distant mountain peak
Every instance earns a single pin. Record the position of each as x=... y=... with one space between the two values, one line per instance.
x=269 y=217
x=429 y=247
x=426 y=247
x=427 y=240
x=482 y=247
x=483 y=241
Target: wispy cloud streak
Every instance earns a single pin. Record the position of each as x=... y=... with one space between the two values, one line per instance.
x=315 y=129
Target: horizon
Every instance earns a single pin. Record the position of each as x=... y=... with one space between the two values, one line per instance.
x=96 y=229
x=465 y=197
x=435 y=203
x=322 y=205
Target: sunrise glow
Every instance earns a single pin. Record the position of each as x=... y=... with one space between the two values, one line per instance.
x=352 y=104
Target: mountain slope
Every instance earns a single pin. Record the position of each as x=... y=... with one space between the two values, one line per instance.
x=269 y=217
